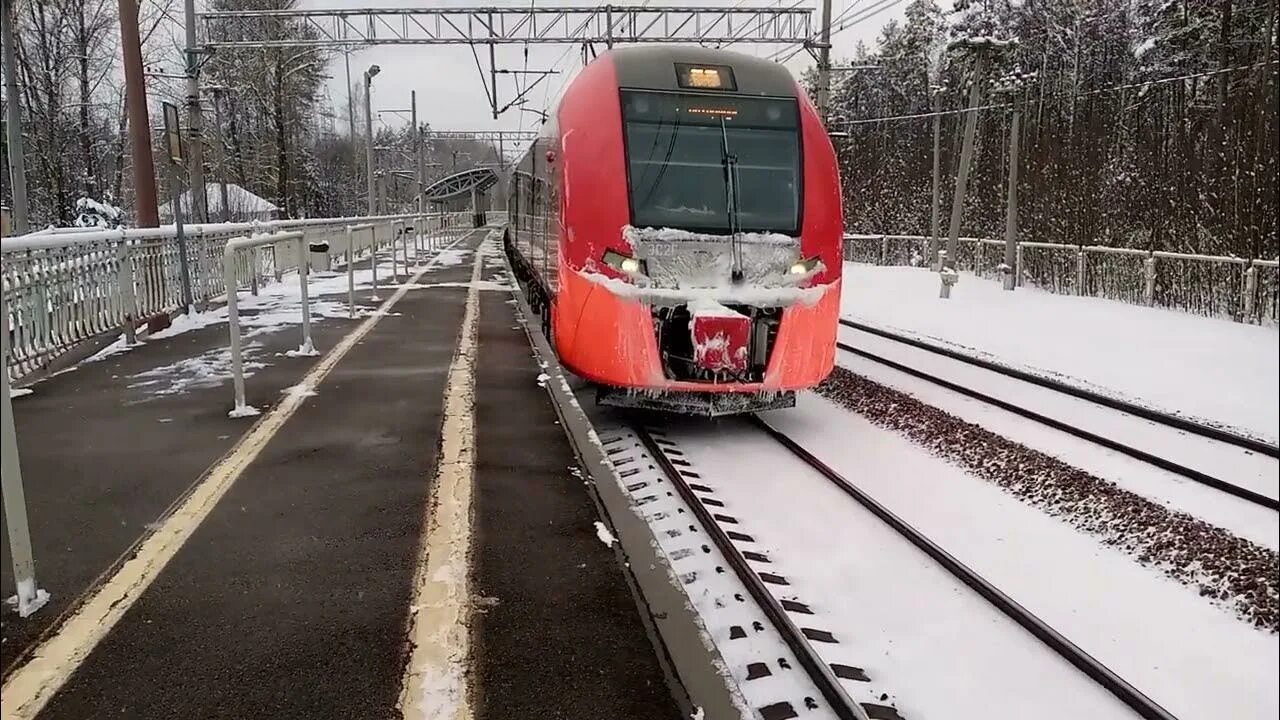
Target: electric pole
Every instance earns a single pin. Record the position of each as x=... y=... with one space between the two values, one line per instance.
x=824 y=62
x=13 y=123
x=144 y=169
x=368 y=136
x=937 y=179
x=979 y=48
x=195 y=120
x=1011 y=86
x=417 y=148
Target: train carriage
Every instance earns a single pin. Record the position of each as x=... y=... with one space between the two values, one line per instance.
x=677 y=222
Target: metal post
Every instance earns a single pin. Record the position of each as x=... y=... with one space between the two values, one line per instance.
x=937 y=182
x=30 y=597
x=304 y=264
x=233 y=324
x=373 y=261
x=255 y=267
x=418 y=177
x=396 y=228
x=351 y=102
x=1017 y=265
x=404 y=243
x=351 y=273
x=1250 y=290
x=493 y=76
x=824 y=62
x=949 y=275
x=368 y=135
x=128 y=297
x=144 y=171
x=1149 y=286
x=13 y=124
x=183 y=267
x=1011 y=207
x=195 y=119
x=1080 y=270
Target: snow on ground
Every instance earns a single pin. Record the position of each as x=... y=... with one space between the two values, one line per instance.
x=277 y=306
x=604 y=535
x=208 y=369
x=1210 y=369
x=935 y=648
x=1256 y=472
x=1192 y=656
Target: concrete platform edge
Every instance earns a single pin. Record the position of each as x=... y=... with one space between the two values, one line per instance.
x=693 y=667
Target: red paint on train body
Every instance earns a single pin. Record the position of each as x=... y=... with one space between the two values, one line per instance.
x=751 y=227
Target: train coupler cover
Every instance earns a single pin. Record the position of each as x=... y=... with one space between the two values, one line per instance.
x=721 y=336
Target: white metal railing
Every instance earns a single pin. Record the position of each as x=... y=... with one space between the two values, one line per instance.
x=1242 y=289
x=230 y=268
x=62 y=288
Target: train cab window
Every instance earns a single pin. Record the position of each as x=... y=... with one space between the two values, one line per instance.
x=676 y=158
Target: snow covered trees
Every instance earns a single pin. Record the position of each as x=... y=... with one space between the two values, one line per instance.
x=1115 y=151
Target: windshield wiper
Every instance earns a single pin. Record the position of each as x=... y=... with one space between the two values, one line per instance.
x=729 y=162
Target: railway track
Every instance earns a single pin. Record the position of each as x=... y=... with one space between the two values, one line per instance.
x=820 y=670
x=1132 y=420
x=1173 y=421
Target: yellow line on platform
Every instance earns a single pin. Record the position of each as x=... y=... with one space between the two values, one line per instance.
x=31 y=686
x=435 y=679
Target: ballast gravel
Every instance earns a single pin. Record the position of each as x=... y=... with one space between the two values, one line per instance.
x=1235 y=572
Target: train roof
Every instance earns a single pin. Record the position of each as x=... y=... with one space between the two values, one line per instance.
x=652 y=67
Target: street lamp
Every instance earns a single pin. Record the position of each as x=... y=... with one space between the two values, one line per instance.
x=368 y=134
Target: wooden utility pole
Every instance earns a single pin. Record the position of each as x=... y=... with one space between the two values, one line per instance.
x=146 y=214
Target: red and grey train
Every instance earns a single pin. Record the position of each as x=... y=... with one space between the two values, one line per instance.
x=678 y=225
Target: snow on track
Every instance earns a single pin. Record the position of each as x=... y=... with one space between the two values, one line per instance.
x=1250 y=470
x=756 y=657
x=1191 y=656
x=933 y=647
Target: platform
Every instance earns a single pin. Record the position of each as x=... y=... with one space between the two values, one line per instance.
x=290 y=594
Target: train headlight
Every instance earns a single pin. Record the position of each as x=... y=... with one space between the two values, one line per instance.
x=623 y=263
x=803 y=267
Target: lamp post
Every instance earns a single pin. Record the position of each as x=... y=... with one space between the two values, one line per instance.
x=368 y=136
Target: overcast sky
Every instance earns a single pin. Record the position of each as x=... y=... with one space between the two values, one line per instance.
x=450 y=94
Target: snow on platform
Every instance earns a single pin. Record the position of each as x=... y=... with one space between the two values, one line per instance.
x=1211 y=370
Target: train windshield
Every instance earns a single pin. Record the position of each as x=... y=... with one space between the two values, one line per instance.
x=676 y=161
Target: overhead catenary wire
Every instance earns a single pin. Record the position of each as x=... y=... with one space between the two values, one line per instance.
x=1099 y=91
x=855 y=19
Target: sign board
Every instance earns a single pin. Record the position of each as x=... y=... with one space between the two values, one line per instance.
x=172 y=132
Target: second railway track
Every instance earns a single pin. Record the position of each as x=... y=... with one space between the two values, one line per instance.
x=1238 y=466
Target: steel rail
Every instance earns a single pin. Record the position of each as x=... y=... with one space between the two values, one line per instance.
x=818 y=670
x=1146 y=413
x=1086 y=663
x=1173 y=467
